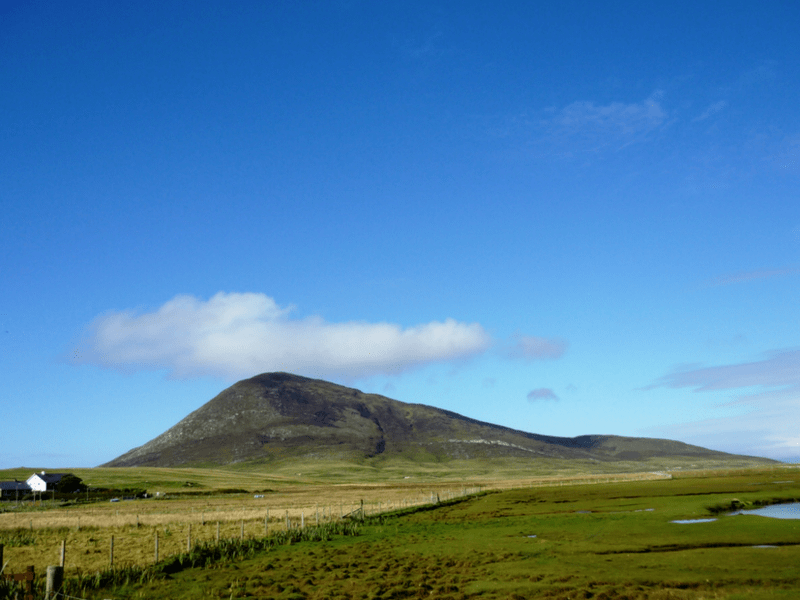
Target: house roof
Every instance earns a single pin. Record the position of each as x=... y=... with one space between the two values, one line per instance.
x=48 y=477
x=15 y=485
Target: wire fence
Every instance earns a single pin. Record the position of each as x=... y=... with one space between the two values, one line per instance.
x=148 y=538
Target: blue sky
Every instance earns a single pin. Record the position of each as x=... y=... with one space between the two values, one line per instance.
x=573 y=218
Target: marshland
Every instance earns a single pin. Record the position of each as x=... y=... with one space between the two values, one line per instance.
x=598 y=536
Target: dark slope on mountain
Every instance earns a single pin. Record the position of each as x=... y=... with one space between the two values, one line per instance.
x=280 y=416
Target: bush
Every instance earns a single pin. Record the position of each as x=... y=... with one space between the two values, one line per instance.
x=70 y=484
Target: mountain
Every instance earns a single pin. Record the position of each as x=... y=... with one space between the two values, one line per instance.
x=279 y=416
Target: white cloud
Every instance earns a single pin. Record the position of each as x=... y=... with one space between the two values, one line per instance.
x=240 y=335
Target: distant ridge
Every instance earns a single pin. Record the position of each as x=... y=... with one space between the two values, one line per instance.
x=280 y=416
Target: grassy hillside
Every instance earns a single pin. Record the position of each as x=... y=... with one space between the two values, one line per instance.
x=279 y=419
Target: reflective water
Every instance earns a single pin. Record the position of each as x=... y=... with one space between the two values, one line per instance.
x=689 y=521
x=776 y=511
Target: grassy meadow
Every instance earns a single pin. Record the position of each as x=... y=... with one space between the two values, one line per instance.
x=592 y=536
x=191 y=508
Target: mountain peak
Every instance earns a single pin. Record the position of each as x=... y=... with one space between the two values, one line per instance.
x=279 y=416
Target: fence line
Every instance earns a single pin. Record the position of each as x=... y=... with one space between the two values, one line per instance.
x=269 y=519
x=152 y=518
x=266 y=518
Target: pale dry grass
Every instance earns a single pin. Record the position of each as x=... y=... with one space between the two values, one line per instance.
x=88 y=529
x=585 y=479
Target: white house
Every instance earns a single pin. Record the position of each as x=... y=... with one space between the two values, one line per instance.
x=44 y=482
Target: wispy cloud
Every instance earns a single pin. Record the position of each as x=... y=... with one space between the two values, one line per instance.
x=767 y=389
x=711 y=110
x=771 y=431
x=588 y=126
x=786 y=157
x=759 y=75
x=528 y=347
x=745 y=276
x=239 y=335
x=428 y=47
x=779 y=368
x=541 y=394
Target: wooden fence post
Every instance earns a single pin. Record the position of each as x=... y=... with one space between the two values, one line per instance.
x=156 y=545
x=55 y=577
x=266 y=523
x=28 y=576
x=111 y=553
x=189 y=539
x=218 y=532
x=302 y=519
x=241 y=534
x=63 y=552
x=287 y=520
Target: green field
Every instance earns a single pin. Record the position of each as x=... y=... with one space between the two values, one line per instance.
x=602 y=540
x=253 y=476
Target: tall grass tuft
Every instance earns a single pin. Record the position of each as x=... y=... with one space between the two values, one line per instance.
x=17 y=537
x=203 y=554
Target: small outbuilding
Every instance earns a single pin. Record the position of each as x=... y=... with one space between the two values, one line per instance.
x=13 y=489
